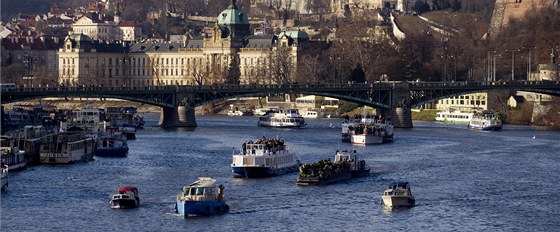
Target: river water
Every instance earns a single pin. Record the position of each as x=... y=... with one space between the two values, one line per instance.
x=462 y=179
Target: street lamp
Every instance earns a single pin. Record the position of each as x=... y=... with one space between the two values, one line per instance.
x=513 y=63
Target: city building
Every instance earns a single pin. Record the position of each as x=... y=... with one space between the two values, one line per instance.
x=202 y=60
x=99 y=26
x=469 y=102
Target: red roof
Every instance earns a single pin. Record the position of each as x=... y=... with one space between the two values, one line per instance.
x=126 y=188
x=127 y=24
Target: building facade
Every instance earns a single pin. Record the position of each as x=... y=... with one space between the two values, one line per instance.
x=202 y=60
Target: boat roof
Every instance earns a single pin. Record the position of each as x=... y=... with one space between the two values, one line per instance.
x=203 y=182
x=399 y=184
x=126 y=188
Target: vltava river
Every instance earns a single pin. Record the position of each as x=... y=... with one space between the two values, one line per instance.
x=463 y=180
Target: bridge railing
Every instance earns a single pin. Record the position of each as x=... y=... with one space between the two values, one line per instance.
x=310 y=86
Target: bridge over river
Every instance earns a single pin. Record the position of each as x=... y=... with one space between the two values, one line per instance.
x=178 y=102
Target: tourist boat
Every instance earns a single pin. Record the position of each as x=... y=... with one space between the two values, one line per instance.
x=67 y=147
x=454 y=116
x=201 y=198
x=367 y=130
x=4 y=177
x=90 y=120
x=346 y=165
x=11 y=155
x=310 y=114
x=398 y=194
x=119 y=116
x=126 y=198
x=264 y=157
x=281 y=117
x=30 y=140
x=112 y=144
x=486 y=120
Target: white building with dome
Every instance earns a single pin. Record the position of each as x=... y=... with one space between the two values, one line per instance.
x=202 y=60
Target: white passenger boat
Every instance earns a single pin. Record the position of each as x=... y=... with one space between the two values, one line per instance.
x=310 y=114
x=201 y=198
x=11 y=155
x=4 y=177
x=67 y=147
x=398 y=194
x=454 y=116
x=281 y=117
x=90 y=120
x=125 y=198
x=264 y=157
x=367 y=130
x=485 y=120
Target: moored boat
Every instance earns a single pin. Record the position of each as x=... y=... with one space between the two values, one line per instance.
x=125 y=198
x=201 y=198
x=112 y=144
x=454 y=116
x=346 y=166
x=282 y=118
x=11 y=155
x=264 y=157
x=4 y=177
x=67 y=147
x=398 y=194
x=486 y=120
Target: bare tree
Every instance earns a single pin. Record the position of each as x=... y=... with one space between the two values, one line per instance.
x=282 y=66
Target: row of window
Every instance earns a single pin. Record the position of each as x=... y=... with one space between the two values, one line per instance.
x=462 y=102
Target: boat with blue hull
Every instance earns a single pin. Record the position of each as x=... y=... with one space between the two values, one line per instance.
x=264 y=157
x=201 y=198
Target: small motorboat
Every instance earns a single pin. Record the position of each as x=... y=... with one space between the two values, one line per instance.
x=201 y=198
x=398 y=194
x=126 y=198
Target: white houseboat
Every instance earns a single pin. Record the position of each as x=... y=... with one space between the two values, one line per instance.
x=112 y=144
x=486 y=120
x=454 y=116
x=67 y=147
x=11 y=155
x=264 y=157
x=281 y=117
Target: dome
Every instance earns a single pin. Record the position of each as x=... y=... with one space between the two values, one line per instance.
x=232 y=15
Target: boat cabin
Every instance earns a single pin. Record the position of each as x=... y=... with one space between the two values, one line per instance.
x=203 y=189
x=398 y=188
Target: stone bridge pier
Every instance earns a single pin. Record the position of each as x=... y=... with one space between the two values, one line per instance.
x=178 y=116
x=181 y=115
x=400 y=113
